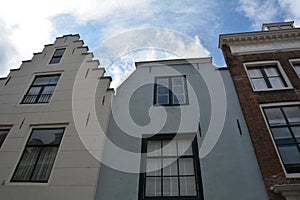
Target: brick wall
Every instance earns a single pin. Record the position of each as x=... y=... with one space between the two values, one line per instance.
x=268 y=160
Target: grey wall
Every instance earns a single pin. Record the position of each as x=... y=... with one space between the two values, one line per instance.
x=229 y=168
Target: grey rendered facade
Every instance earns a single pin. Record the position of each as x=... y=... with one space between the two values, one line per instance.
x=212 y=114
x=33 y=104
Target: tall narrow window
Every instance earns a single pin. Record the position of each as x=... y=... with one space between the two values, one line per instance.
x=284 y=123
x=58 y=54
x=170 y=90
x=172 y=169
x=41 y=89
x=3 y=134
x=38 y=157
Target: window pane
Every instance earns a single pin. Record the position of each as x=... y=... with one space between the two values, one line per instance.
x=48 y=90
x=271 y=71
x=281 y=133
x=26 y=165
x=289 y=154
x=55 y=60
x=59 y=52
x=187 y=186
x=170 y=167
x=46 y=136
x=297 y=69
x=177 y=81
x=274 y=116
x=259 y=84
x=184 y=147
x=178 y=90
x=153 y=186
x=292 y=113
x=169 y=148
x=46 y=80
x=154 y=148
x=186 y=166
x=162 y=90
x=296 y=131
x=178 y=99
x=34 y=90
x=3 y=134
x=276 y=82
x=170 y=186
x=163 y=81
x=44 y=164
x=255 y=73
x=163 y=99
x=153 y=166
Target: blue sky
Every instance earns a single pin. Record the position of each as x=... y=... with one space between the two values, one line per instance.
x=193 y=24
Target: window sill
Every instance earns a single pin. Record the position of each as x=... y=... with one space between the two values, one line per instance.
x=273 y=89
x=26 y=183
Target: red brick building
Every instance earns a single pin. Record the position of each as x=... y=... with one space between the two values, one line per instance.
x=265 y=67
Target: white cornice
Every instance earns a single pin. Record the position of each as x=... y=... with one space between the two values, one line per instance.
x=259 y=37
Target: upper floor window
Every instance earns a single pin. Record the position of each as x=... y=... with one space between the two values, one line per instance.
x=266 y=76
x=38 y=157
x=170 y=90
x=3 y=134
x=41 y=89
x=172 y=169
x=284 y=124
x=58 y=54
x=296 y=65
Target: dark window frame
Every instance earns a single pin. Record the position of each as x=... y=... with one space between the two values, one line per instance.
x=55 y=56
x=197 y=171
x=170 y=93
x=38 y=157
x=3 y=139
x=265 y=77
x=40 y=94
x=289 y=168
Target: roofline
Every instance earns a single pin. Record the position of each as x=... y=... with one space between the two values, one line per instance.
x=174 y=62
x=259 y=36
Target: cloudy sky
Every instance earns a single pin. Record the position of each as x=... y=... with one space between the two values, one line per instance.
x=139 y=29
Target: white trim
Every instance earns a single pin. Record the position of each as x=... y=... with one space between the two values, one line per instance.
x=265 y=63
x=297 y=60
x=262 y=106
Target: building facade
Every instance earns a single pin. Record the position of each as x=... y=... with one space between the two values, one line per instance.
x=264 y=66
x=45 y=107
x=177 y=132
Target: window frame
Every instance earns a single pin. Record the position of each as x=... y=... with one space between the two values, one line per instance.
x=262 y=64
x=36 y=161
x=279 y=105
x=295 y=61
x=55 y=57
x=41 y=90
x=196 y=162
x=7 y=131
x=170 y=93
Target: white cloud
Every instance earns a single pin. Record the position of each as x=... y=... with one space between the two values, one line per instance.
x=259 y=12
x=291 y=10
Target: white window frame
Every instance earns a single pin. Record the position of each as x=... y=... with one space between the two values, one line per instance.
x=53 y=52
x=295 y=61
x=262 y=106
x=248 y=65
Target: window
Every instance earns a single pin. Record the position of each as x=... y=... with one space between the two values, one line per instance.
x=266 y=77
x=170 y=90
x=296 y=66
x=38 y=157
x=41 y=89
x=172 y=169
x=284 y=123
x=3 y=134
x=58 y=54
